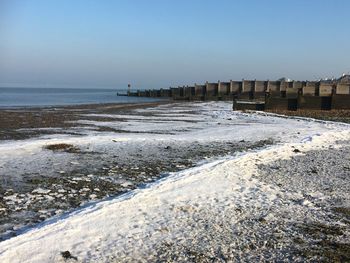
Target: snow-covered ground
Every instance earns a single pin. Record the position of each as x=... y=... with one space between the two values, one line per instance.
x=219 y=209
x=182 y=123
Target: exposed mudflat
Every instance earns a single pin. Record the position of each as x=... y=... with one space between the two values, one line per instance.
x=24 y=123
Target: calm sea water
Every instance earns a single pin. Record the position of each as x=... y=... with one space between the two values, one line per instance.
x=34 y=97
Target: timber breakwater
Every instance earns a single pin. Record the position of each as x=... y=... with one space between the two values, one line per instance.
x=260 y=95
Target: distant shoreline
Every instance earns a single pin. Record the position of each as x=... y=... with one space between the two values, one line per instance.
x=13 y=98
x=82 y=105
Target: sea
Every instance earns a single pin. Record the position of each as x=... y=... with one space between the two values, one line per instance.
x=41 y=97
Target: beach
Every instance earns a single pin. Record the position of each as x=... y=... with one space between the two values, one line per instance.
x=166 y=181
x=151 y=132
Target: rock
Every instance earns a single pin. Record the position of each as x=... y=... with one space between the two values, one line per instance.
x=296 y=151
x=68 y=255
x=262 y=220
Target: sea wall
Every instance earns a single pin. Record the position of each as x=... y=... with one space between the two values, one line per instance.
x=281 y=94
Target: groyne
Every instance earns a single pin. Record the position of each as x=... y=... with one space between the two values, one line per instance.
x=260 y=95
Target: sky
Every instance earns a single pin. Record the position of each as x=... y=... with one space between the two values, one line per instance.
x=162 y=43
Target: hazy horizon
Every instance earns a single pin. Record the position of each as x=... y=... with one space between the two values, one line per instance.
x=157 y=44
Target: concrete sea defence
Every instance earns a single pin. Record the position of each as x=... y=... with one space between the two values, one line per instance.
x=260 y=95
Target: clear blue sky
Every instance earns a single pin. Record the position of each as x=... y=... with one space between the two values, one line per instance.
x=158 y=43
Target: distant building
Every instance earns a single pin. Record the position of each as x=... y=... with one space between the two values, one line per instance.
x=328 y=80
x=345 y=78
x=285 y=79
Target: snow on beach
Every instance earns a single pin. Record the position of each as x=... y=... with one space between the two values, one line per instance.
x=219 y=209
x=200 y=123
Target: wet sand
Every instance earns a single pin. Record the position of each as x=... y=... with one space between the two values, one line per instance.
x=16 y=123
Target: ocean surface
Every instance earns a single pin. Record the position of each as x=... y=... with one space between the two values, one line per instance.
x=40 y=97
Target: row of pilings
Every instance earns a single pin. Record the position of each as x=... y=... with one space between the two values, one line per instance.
x=255 y=94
